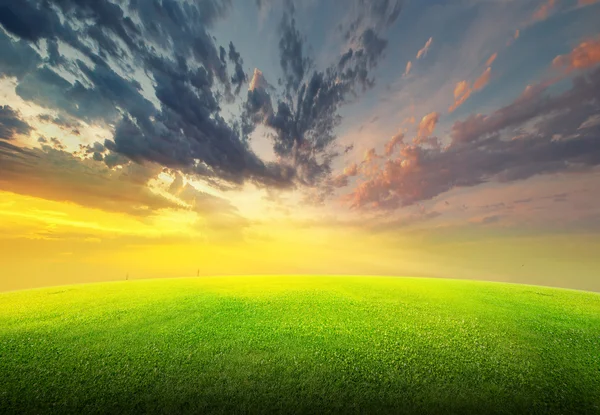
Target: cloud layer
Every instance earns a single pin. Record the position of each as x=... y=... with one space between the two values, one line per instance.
x=169 y=110
x=11 y=123
x=496 y=147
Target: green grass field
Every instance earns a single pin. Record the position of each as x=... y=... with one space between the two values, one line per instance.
x=300 y=345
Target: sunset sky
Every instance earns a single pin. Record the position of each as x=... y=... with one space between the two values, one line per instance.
x=162 y=138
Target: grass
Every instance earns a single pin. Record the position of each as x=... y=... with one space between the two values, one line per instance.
x=300 y=345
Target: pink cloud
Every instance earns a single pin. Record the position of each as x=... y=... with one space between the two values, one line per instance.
x=491 y=59
x=514 y=37
x=351 y=170
x=463 y=91
x=428 y=124
x=371 y=155
x=395 y=141
x=480 y=152
x=544 y=10
x=423 y=52
x=258 y=81
x=585 y=55
x=483 y=80
x=408 y=68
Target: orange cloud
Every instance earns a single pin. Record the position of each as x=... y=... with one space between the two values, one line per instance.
x=544 y=10
x=430 y=141
x=408 y=68
x=491 y=59
x=370 y=155
x=483 y=80
x=585 y=55
x=463 y=91
x=423 y=52
x=341 y=180
x=409 y=120
x=514 y=37
x=396 y=140
x=427 y=124
x=369 y=166
x=351 y=170
x=258 y=81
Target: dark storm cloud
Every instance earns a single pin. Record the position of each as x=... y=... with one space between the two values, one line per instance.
x=169 y=40
x=479 y=152
x=17 y=58
x=11 y=123
x=27 y=20
x=291 y=52
x=61 y=121
x=54 y=57
x=189 y=128
x=374 y=14
x=48 y=89
x=304 y=121
x=239 y=77
x=53 y=142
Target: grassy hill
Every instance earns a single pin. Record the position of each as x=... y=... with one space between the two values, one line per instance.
x=300 y=345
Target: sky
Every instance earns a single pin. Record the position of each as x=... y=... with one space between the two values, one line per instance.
x=179 y=138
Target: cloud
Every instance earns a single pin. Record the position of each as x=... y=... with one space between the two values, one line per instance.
x=592 y=121
x=62 y=121
x=341 y=180
x=54 y=174
x=239 y=77
x=258 y=81
x=514 y=37
x=18 y=58
x=57 y=175
x=544 y=10
x=483 y=80
x=423 y=51
x=169 y=42
x=173 y=113
x=394 y=142
x=430 y=141
x=351 y=170
x=408 y=68
x=291 y=51
x=375 y=14
x=11 y=123
x=53 y=142
x=583 y=56
x=463 y=91
x=482 y=151
x=428 y=124
x=27 y=21
x=304 y=120
x=491 y=59
x=370 y=156
x=532 y=103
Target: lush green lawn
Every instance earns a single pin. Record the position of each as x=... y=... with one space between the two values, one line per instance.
x=300 y=345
